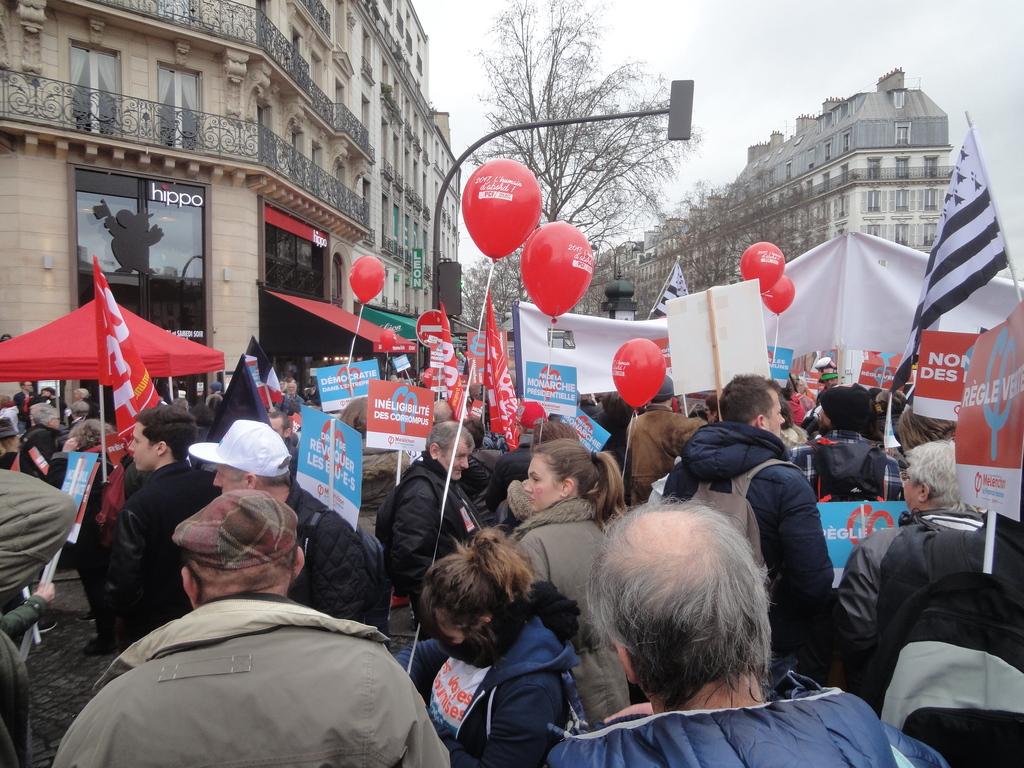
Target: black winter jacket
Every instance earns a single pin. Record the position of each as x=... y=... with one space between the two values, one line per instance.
x=144 y=579
x=408 y=522
x=42 y=438
x=792 y=540
x=334 y=579
x=514 y=465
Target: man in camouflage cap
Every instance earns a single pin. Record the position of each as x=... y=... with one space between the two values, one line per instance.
x=323 y=692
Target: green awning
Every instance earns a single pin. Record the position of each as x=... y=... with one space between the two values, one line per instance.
x=403 y=326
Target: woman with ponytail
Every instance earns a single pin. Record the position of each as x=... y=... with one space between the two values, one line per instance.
x=574 y=493
x=492 y=677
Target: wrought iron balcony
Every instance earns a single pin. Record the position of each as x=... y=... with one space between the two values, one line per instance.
x=882 y=174
x=235 y=21
x=389 y=245
x=279 y=154
x=386 y=169
x=42 y=101
x=426 y=212
x=399 y=181
x=370 y=238
x=319 y=14
x=367 y=69
x=345 y=120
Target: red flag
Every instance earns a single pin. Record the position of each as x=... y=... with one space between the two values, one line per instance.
x=450 y=369
x=500 y=393
x=121 y=366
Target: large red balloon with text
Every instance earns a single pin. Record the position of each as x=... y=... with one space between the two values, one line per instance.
x=781 y=296
x=764 y=262
x=501 y=206
x=388 y=340
x=366 y=278
x=557 y=267
x=638 y=370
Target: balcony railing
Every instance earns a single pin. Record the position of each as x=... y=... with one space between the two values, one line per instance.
x=278 y=153
x=235 y=21
x=399 y=181
x=389 y=245
x=386 y=169
x=882 y=174
x=370 y=237
x=345 y=120
x=41 y=101
x=319 y=14
x=293 y=278
x=367 y=68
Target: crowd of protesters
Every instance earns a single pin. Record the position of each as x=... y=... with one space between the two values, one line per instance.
x=571 y=607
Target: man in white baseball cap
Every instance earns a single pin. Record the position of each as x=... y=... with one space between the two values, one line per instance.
x=335 y=579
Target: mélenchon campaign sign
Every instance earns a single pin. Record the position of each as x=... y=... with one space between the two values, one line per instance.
x=399 y=416
x=341 y=383
x=554 y=387
x=335 y=476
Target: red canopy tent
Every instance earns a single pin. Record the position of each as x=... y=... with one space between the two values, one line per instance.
x=66 y=349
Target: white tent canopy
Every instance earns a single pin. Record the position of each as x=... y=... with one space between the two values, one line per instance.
x=860 y=292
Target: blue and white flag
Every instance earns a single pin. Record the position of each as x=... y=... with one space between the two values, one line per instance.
x=968 y=251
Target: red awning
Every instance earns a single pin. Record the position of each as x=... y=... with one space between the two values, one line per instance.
x=66 y=349
x=339 y=317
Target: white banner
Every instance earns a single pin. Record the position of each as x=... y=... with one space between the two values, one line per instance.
x=594 y=342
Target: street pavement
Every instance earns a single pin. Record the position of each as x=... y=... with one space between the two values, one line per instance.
x=61 y=676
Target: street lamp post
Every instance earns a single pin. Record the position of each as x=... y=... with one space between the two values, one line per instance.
x=679 y=111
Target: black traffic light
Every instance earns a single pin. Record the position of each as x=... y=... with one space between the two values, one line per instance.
x=680 y=110
x=449 y=286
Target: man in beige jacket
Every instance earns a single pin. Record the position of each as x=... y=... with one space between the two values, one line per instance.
x=249 y=677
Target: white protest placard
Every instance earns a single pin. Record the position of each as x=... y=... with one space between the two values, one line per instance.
x=715 y=335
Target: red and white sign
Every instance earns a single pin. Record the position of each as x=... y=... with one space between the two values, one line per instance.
x=429 y=325
x=990 y=433
x=398 y=416
x=941 y=370
x=878 y=368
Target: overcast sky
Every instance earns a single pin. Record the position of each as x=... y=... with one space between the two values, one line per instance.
x=757 y=66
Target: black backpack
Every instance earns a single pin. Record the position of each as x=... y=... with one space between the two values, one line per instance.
x=949 y=670
x=373 y=559
x=849 y=471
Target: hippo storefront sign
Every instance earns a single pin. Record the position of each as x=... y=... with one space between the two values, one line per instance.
x=399 y=417
x=846 y=523
x=990 y=428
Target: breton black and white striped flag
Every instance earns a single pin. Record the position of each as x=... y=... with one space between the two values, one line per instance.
x=676 y=287
x=968 y=250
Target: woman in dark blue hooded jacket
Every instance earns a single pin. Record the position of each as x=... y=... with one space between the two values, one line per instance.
x=493 y=681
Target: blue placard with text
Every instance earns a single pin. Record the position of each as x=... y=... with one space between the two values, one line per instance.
x=317 y=463
x=592 y=435
x=553 y=386
x=333 y=383
x=780 y=362
x=846 y=523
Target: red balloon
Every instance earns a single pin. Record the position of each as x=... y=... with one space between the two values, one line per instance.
x=638 y=370
x=366 y=278
x=763 y=261
x=501 y=206
x=781 y=296
x=557 y=267
x=388 y=339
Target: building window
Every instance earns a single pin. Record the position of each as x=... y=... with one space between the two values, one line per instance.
x=297 y=141
x=928 y=235
x=316 y=155
x=902 y=200
x=902 y=167
x=931 y=199
x=294 y=254
x=902 y=133
x=874 y=167
x=874 y=201
x=828 y=150
x=898 y=99
x=873 y=229
x=789 y=170
x=179 y=95
x=92 y=104
x=841 y=210
x=903 y=234
x=846 y=142
x=931 y=167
